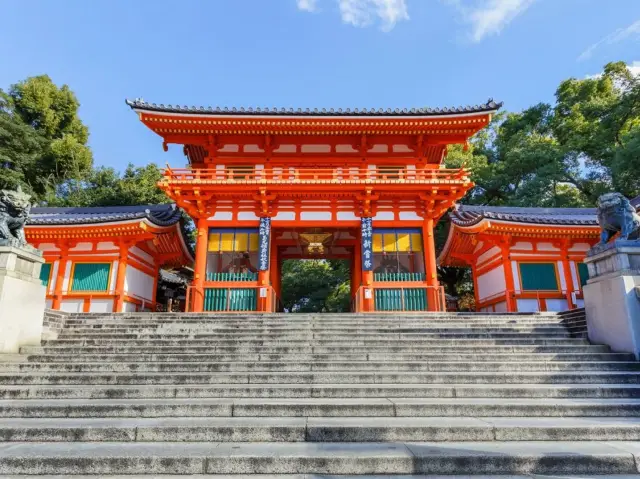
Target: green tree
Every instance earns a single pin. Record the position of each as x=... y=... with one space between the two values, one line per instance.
x=313 y=286
x=106 y=187
x=43 y=142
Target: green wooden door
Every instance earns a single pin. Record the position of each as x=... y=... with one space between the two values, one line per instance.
x=538 y=276
x=395 y=299
x=90 y=277
x=236 y=299
x=45 y=272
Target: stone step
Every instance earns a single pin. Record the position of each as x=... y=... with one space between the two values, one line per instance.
x=313 y=407
x=320 y=329
x=348 y=342
x=581 y=347
x=333 y=377
x=451 y=390
x=309 y=337
x=298 y=366
x=329 y=476
x=319 y=429
x=245 y=357
x=492 y=457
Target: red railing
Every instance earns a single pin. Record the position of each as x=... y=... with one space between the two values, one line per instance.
x=540 y=297
x=288 y=175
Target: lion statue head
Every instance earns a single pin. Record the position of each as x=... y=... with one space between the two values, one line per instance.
x=15 y=203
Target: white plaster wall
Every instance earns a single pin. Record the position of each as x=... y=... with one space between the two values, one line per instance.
x=487 y=255
x=547 y=247
x=574 y=275
x=315 y=215
x=141 y=254
x=580 y=303
x=101 y=306
x=67 y=277
x=222 y=216
x=346 y=216
x=409 y=215
x=491 y=282
x=384 y=215
x=524 y=245
x=516 y=276
x=557 y=305
x=285 y=216
x=108 y=245
x=47 y=246
x=48 y=303
x=580 y=247
x=72 y=305
x=527 y=305
x=128 y=307
x=82 y=247
x=137 y=283
x=54 y=276
x=501 y=307
x=247 y=216
x=563 y=283
x=114 y=275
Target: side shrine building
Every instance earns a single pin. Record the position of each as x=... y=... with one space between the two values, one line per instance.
x=106 y=259
x=523 y=259
x=265 y=185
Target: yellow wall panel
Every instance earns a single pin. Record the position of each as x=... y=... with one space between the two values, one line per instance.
x=404 y=242
x=416 y=242
x=377 y=243
x=227 y=242
x=254 y=242
x=390 y=242
x=214 y=242
x=242 y=242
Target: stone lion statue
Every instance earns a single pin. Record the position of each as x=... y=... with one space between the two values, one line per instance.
x=14 y=212
x=615 y=213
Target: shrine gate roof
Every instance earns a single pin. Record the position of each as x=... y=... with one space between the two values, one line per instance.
x=160 y=215
x=467 y=215
x=139 y=104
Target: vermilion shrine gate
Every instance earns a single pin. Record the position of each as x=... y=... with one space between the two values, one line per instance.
x=266 y=185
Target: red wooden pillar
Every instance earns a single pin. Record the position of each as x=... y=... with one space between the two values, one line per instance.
x=62 y=267
x=568 y=279
x=123 y=260
x=505 y=247
x=264 y=276
x=200 y=270
x=433 y=293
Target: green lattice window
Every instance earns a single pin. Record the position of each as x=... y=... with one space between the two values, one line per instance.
x=236 y=299
x=90 y=277
x=45 y=273
x=583 y=272
x=538 y=277
x=392 y=299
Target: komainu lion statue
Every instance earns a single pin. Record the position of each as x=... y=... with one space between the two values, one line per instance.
x=616 y=214
x=14 y=212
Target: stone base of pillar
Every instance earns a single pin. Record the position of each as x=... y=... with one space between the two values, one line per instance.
x=22 y=298
x=611 y=301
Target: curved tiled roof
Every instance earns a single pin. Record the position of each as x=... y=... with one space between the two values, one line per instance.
x=139 y=104
x=161 y=215
x=467 y=215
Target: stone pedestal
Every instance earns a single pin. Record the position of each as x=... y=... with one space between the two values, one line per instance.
x=611 y=298
x=22 y=298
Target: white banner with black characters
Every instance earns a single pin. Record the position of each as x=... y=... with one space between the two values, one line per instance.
x=367 y=243
x=265 y=239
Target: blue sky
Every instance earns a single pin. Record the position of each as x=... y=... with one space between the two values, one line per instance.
x=304 y=53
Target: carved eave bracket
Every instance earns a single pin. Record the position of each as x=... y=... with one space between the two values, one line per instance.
x=367 y=204
x=265 y=204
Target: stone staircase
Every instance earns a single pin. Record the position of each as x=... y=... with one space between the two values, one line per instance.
x=319 y=396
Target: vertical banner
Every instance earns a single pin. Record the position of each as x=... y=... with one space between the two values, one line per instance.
x=265 y=239
x=366 y=232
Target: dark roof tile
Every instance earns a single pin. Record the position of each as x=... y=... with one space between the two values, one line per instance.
x=161 y=215
x=468 y=215
x=139 y=104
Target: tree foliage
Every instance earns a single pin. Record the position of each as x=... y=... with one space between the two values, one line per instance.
x=314 y=286
x=43 y=142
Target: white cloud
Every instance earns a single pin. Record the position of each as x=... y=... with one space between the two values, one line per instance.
x=489 y=17
x=635 y=68
x=363 y=13
x=308 y=5
x=630 y=32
